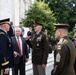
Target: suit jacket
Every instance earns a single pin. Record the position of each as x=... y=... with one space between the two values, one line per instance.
x=24 y=49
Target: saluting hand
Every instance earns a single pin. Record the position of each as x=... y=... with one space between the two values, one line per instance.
x=6 y=71
x=26 y=60
x=27 y=38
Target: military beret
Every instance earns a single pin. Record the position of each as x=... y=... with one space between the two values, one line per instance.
x=61 y=26
x=37 y=23
x=5 y=21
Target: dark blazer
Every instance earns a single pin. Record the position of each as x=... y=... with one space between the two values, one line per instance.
x=24 y=51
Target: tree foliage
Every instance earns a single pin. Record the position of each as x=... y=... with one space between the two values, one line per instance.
x=65 y=11
x=40 y=12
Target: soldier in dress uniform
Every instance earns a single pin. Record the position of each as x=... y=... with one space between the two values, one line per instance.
x=40 y=49
x=6 y=54
x=64 y=55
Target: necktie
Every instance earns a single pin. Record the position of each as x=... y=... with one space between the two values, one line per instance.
x=19 y=46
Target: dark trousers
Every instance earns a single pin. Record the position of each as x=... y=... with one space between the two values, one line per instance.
x=20 y=67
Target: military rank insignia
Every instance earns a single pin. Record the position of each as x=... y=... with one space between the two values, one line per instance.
x=37 y=44
x=58 y=57
x=59 y=47
x=39 y=38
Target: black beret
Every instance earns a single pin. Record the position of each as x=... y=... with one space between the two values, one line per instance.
x=5 y=21
x=37 y=23
x=61 y=26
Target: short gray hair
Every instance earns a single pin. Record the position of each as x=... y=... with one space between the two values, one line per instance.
x=18 y=28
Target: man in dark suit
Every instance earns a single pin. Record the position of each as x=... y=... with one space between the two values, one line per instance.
x=20 y=52
x=6 y=53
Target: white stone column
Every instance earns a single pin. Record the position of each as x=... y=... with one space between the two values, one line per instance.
x=10 y=9
x=32 y=1
x=21 y=9
x=28 y=4
x=5 y=9
x=16 y=9
x=24 y=6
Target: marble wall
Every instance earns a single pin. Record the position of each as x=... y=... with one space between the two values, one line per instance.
x=14 y=9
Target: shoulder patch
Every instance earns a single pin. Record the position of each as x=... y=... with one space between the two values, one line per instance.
x=58 y=57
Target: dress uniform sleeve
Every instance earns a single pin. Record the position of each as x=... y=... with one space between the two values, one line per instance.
x=26 y=50
x=45 y=49
x=60 y=59
x=4 y=59
x=29 y=43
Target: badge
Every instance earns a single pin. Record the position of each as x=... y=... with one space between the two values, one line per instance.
x=9 y=45
x=39 y=38
x=58 y=57
x=59 y=47
x=37 y=44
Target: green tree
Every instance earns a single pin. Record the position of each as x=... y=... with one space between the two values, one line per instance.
x=65 y=11
x=40 y=12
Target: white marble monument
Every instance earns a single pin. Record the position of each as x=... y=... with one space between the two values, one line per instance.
x=14 y=9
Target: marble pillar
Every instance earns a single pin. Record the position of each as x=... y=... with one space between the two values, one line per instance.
x=14 y=9
x=16 y=14
x=10 y=9
x=5 y=9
